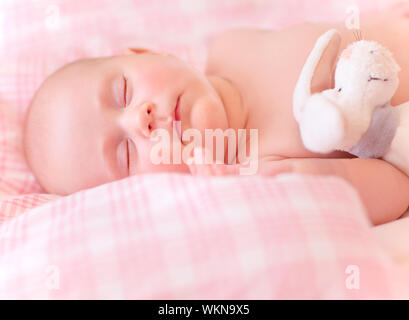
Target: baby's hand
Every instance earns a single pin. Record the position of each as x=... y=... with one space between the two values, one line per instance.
x=214 y=169
x=198 y=167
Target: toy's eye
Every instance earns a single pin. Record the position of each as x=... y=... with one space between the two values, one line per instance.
x=377 y=78
x=339 y=90
x=371 y=51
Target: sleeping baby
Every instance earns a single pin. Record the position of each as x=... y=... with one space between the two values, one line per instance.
x=98 y=120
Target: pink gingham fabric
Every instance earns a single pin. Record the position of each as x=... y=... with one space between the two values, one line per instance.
x=169 y=236
x=39 y=36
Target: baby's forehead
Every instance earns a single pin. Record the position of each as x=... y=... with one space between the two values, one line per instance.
x=67 y=83
x=62 y=89
x=83 y=66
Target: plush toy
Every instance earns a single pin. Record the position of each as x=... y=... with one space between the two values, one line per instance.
x=356 y=115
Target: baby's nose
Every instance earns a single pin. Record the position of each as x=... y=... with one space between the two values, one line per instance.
x=140 y=119
x=145 y=118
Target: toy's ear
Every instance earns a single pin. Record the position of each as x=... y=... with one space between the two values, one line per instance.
x=316 y=75
x=322 y=78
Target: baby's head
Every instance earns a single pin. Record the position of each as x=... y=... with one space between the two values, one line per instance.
x=90 y=122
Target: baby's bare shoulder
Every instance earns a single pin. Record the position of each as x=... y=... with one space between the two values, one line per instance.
x=230 y=36
x=232 y=44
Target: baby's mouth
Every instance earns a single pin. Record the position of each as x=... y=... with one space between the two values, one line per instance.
x=177 y=110
x=177 y=123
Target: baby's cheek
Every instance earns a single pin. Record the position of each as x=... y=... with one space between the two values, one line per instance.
x=148 y=86
x=208 y=114
x=161 y=78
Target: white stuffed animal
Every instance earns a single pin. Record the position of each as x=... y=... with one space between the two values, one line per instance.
x=356 y=115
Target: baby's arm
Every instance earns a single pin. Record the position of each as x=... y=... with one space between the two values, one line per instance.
x=383 y=189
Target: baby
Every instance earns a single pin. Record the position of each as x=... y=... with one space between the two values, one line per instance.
x=92 y=121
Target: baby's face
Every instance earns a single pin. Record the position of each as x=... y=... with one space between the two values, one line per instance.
x=91 y=122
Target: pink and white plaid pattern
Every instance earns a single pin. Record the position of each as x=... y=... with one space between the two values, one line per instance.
x=38 y=36
x=169 y=236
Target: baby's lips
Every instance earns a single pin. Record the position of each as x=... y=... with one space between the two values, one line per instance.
x=178 y=128
x=177 y=112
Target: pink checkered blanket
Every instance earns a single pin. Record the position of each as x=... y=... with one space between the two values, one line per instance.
x=167 y=235
x=170 y=236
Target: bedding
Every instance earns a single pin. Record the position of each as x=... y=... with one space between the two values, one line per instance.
x=172 y=236
x=236 y=237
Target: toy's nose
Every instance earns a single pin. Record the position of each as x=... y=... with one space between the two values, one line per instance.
x=346 y=54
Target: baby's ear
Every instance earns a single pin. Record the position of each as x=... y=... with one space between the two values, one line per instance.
x=144 y=50
x=138 y=50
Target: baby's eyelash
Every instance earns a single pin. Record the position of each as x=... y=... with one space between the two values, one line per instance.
x=127 y=154
x=125 y=91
